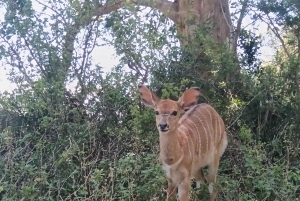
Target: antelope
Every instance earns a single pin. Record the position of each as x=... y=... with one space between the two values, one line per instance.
x=189 y=143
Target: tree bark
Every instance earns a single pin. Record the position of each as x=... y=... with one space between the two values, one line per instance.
x=201 y=11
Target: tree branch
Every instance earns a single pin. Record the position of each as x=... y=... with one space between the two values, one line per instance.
x=54 y=10
x=298 y=55
x=133 y=66
x=20 y=63
x=275 y=31
x=81 y=76
x=68 y=46
x=243 y=110
x=239 y=26
x=166 y=7
x=34 y=56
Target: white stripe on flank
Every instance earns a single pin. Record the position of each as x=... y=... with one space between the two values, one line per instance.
x=219 y=128
x=198 y=135
x=211 y=129
x=187 y=139
x=209 y=133
x=208 y=113
x=188 y=144
x=204 y=131
x=193 y=136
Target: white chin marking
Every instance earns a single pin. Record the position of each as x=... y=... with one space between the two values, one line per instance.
x=211 y=188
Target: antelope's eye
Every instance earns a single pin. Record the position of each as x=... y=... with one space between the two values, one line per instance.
x=174 y=113
x=156 y=112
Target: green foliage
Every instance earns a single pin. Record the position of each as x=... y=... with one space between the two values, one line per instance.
x=133 y=177
x=250 y=44
x=99 y=142
x=255 y=176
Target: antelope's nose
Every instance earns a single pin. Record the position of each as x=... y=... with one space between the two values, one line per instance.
x=163 y=126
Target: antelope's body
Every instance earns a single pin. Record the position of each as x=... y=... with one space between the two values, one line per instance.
x=189 y=143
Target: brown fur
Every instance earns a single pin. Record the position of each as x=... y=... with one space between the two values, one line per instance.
x=189 y=143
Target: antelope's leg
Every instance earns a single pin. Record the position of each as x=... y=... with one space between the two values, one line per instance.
x=213 y=171
x=184 y=189
x=199 y=177
x=172 y=190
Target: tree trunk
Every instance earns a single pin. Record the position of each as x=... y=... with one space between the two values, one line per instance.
x=201 y=11
x=213 y=14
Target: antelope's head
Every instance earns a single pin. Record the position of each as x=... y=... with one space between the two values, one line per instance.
x=168 y=111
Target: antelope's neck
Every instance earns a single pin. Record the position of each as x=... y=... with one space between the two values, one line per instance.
x=170 y=149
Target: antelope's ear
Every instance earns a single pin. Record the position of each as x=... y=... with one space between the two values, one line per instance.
x=148 y=98
x=189 y=98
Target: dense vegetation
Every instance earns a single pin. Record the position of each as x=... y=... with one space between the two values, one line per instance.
x=98 y=142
